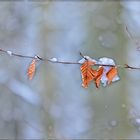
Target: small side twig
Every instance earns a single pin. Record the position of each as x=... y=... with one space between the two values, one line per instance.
x=128 y=33
x=130 y=67
x=137 y=42
x=83 y=56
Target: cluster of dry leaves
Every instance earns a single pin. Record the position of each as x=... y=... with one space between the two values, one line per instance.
x=89 y=74
x=103 y=74
x=106 y=73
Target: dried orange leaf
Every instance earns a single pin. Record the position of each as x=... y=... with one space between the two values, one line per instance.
x=111 y=74
x=31 y=69
x=99 y=76
x=88 y=74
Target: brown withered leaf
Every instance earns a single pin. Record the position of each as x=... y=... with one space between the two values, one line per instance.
x=99 y=76
x=31 y=69
x=88 y=74
x=111 y=74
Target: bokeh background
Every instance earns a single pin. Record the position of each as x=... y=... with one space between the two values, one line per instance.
x=54 y=104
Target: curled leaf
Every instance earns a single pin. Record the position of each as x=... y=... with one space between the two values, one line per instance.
x=111 y=74
x=88 y=74
x=99 y=76
x=31 y=69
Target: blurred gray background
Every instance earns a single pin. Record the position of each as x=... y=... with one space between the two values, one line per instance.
x=54 y=104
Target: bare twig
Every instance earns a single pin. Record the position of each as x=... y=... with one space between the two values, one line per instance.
x=137 y=42
x=63 y=62
x=128 y=33
x=131 y=67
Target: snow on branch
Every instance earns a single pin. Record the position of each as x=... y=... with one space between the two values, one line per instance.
x=104 y=70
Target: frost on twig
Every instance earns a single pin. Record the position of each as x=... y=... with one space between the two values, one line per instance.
x=53 y=59
x=86 y=58
x=9 y=53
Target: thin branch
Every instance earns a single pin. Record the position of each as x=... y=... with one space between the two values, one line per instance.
x=14 y=54
x=64 y=62
x=132 y=37
x=131 y=67
x=128 y=33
